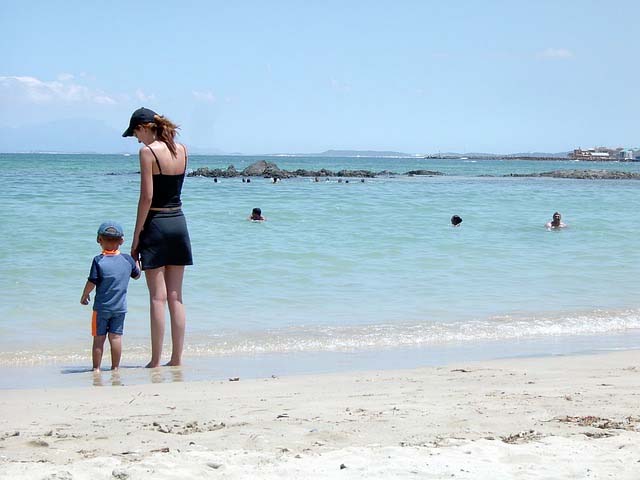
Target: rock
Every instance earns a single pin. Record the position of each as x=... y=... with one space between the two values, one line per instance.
x=216 y=426
x=429 y=173
x=355 y=173
x=255 y=169
x=59 y=476
x=161 y=450
x=522 y=437
x=582 y=174
x=230 y=172
x=262 y=168
x=120 y=474
x=38 y=443
x=162 y=428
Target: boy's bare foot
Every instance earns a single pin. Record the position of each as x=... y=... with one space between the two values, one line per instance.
x=115 y=369
x=96 y=369
x=152 y=365
x=173 y=364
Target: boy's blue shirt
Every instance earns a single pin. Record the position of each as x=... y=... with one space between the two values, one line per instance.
x=111 y=273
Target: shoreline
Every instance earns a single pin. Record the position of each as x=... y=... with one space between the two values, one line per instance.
x=551 y=417
x=265 y=365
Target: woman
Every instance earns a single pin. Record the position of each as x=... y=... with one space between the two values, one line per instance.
x=160 y=238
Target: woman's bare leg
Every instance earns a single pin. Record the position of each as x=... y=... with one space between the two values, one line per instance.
x=173 y=277
x=157 y=299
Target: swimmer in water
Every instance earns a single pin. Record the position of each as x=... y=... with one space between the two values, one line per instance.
x=256 y=215
x=556 y=222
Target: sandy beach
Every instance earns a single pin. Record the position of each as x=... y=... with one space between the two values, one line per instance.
x=552 y=417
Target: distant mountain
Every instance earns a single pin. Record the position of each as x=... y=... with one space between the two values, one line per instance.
x=196 y=150
x=541 y=155
x=76 y=135
x=80 y=135
x=68 y=136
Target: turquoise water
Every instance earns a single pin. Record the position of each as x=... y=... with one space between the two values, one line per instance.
x=337 y=267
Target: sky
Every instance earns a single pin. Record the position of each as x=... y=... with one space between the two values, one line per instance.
x=295 y=76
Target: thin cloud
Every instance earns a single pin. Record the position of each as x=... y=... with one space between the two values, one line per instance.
x=204 y=96
x=560 y=53
x=143 y=97
x=33 y=90
x=340 y=86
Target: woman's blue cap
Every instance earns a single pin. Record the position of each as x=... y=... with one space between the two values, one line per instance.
x=111 y=229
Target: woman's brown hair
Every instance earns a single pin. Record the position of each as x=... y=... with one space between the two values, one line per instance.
x=165 y=131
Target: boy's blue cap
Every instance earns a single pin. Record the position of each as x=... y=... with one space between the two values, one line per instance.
x=111 y=229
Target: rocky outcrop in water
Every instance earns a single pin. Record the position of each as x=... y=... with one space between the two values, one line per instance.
x=214 y=172
x=427 y=173
x=266 y=169
x=262 y=168
x=582 y=174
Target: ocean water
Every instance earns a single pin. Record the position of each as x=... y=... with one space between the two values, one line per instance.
x=356 y=268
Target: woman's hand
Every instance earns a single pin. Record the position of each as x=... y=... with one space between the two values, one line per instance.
x=135 y=248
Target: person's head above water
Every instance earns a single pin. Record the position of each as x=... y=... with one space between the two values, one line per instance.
x=556 y=222
x=456 y=220
x=256 y=214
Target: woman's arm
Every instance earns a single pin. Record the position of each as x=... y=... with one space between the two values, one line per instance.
x=146 y=194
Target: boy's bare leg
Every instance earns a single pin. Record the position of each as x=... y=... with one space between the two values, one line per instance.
x=96 y=351
x=115 y=341
x=158 y=302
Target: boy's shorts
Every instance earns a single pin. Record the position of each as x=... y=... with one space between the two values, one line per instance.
x=107 y=322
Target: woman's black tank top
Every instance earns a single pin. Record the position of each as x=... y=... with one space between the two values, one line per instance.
x=167 y=188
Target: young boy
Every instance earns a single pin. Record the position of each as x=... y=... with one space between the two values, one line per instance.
x=109 y=275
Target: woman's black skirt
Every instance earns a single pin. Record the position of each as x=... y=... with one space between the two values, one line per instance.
x=164 y=240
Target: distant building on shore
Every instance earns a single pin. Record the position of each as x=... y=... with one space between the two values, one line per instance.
x=603 y=154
